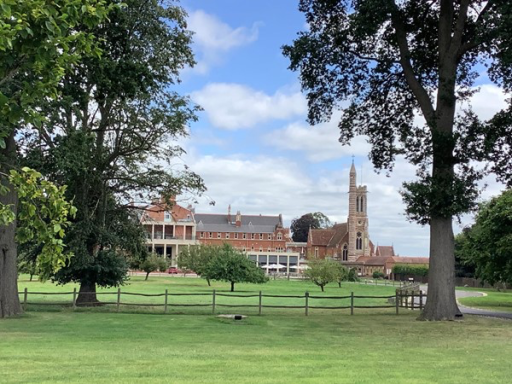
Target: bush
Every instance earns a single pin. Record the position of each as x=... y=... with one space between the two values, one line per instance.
x=401 y=269
x=378 y=275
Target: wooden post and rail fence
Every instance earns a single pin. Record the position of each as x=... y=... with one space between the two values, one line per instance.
x=407 y=297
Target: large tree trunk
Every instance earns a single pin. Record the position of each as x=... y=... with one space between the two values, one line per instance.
x=441 y=302
x=87 y=295
x=9 y=300
x=232 y=286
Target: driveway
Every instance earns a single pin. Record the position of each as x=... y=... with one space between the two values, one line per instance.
x=474 y=311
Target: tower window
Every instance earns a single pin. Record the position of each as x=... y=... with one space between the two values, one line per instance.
x=345 y=253
x=359 y=241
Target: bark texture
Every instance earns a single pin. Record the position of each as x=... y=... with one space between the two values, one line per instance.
x=9 y=299
x=441 y=302
x=87 y=295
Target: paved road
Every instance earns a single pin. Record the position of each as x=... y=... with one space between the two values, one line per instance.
x=473 y=311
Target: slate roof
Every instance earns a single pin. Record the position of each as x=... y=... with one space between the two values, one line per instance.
x=212 y=222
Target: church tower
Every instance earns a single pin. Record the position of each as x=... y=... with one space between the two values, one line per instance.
x=358 y=239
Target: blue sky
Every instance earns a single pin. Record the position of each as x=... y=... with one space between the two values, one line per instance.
x=252 y=144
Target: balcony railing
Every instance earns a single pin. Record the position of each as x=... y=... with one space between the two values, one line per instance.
x=170 y=237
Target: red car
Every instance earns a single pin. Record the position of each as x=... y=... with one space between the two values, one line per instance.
x=174 y=271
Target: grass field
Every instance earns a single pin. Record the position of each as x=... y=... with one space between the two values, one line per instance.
x=180 y=285
x=495 y=300
x=373 y=346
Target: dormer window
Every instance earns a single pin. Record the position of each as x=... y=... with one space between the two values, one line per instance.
x=279 y=236
x=167 y=216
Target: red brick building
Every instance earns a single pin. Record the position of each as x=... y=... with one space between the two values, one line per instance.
x=350 y=242
x=263 y=238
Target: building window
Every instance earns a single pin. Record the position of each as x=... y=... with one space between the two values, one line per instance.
x=316 y=251
x=252 y=248
x=269 y=236
x=244 y=236
x=261 y=249
x=167 y=216
x=261 y=236
x=269 y=249
x=252 y=236
x=218 y=235
x=243 y=249
x=210 y=235
x=345 y=253
x=227 y=235
x=201 y=235
x=279 y=236
x=236 y=235
x=359 y=241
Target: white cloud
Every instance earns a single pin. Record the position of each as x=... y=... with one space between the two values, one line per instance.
x=319 y=142
x=214 y=38
x=273 y=185
x=235 y=106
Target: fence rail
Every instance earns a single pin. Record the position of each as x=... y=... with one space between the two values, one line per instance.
x=404 y=298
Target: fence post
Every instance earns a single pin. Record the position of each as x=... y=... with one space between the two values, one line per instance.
x=25 y=298
x=351 y=303
x=165 y=303
x=412 y=300
x=307 y=303
x=118 y=298
x=421 y=300
x=74 y=298
x=406 y=299
x=213 y=301
x=396 y=302
x=259 y=309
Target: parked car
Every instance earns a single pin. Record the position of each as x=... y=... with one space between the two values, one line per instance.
x=174 y=271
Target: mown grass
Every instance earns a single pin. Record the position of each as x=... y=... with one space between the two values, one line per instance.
x=500 y=301
x=78 y=347
x=282 y=346
x=179 y=285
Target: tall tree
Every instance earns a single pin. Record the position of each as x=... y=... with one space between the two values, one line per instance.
x=487 y=245
x=39 y=39
x=300 y=226
x=110 y=135
x=391 y=59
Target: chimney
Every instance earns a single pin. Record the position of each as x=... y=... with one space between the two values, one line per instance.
x=229 y=214
x=238 y=219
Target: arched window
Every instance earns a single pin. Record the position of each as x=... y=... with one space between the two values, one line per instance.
x=358 y=204
x=345 y=253
x=359 y=241
x=363 y=204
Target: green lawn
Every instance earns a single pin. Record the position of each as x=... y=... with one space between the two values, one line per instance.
x=495 y=300
x=68 y=347
x=49 y=345
x=177 y=285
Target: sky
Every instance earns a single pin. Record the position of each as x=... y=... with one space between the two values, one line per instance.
x=252 y=144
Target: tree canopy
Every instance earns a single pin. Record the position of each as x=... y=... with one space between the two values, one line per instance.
x=39 y=40
x=382 y=63
x=110 y=137
x=196 y=258
x=324 y=271
x=487 y=244
x=231 y=265
x=300 y=226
